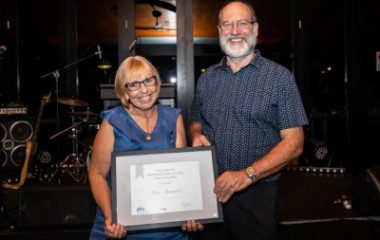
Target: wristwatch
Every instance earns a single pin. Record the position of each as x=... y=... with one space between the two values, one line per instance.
x=251 y=173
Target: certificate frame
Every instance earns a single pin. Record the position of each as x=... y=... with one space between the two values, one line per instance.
x=164 y=188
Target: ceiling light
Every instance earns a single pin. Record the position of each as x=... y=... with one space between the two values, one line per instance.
x=104 y=64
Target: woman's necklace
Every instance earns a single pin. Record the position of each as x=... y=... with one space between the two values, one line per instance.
x=148 y=135
x=138 y=116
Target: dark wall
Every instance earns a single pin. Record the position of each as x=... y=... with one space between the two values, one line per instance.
x=341 y=34
x=9 y=82
x=364 y=41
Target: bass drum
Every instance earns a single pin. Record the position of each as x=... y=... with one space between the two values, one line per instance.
x=89 y=132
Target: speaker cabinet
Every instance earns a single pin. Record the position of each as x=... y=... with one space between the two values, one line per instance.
x=44 y=205
x=14 y=133
x=364 y=192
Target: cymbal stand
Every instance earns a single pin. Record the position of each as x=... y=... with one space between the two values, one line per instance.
x=72 y=163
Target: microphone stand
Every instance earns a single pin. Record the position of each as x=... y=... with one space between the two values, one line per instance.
x=56 y=75
x=1 y=71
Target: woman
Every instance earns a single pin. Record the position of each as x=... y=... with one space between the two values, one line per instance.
x=138 y=123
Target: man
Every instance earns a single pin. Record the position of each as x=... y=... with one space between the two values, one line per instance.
x=249 y=108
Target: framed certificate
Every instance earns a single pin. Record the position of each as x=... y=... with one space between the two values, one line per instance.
x=164 y=188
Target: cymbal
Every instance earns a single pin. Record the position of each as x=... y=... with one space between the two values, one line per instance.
x=72 y=102
x=86 y=113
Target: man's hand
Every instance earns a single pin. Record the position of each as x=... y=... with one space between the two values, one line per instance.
x=230 y=182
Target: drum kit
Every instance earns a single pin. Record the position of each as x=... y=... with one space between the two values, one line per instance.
x=83 y=128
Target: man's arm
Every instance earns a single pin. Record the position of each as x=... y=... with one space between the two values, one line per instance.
x=290 y=147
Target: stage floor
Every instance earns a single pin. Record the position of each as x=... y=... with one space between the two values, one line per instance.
x=310 y=210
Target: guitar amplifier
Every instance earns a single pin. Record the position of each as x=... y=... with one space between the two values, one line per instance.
x=13 y=109
x=16 y=128
x=15 y=132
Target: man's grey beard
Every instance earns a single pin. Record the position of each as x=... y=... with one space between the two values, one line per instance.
x=248 y=47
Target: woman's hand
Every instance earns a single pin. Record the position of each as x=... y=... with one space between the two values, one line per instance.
x=192 y=226
x=113 y=230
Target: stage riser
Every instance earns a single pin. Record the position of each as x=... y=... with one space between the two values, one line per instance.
x=365 y=192
x=55 y=205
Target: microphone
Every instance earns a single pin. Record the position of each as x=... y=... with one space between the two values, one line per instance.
x=99 y=52
x=3 y=49
x=132 y=46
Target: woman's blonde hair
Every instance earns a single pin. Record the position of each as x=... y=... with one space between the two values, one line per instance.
x=130 y=70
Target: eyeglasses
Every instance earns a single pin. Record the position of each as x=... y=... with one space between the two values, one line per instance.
x=242 y=24
x=148 y=82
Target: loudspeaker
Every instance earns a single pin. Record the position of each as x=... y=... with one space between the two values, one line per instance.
x=364 y=192
x=44 y=205
x=14 y=133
